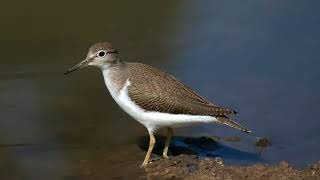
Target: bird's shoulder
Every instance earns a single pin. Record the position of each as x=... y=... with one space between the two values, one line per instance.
x=148 y=77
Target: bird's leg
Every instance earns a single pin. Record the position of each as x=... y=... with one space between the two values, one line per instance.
x=167 y=143
x=151 y=145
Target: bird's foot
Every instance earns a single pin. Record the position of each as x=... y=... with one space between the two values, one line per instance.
x=165 y=156
x=144 y=165
x=152 y=159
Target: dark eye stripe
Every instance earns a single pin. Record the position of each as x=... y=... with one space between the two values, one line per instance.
x=112 y=51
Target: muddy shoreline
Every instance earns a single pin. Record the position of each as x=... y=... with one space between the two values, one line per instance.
x=196 y=158
x=190 y=158
x=191 y=167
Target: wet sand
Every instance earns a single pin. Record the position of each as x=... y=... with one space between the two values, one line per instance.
x=187 y=161
x=190 y=158
x=191 y=167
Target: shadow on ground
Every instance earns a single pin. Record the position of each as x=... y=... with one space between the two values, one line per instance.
x=202 y=147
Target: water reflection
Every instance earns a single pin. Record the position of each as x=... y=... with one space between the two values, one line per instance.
x=202 y=147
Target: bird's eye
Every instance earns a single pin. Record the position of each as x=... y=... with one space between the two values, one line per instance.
x=101 y=53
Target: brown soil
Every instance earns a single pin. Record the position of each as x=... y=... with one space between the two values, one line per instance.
x=190 y=167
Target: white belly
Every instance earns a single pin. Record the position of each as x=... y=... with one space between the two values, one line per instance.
x=151 y=120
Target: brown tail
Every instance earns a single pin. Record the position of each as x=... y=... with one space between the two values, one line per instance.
x=231 y=123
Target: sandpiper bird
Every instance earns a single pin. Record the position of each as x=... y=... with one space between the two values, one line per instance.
x=153 y=97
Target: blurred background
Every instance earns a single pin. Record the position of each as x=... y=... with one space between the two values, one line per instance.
x=260 y=58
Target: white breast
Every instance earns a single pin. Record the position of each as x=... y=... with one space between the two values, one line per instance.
x=150 y=119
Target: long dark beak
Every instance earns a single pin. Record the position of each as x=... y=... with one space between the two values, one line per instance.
x=80 y=65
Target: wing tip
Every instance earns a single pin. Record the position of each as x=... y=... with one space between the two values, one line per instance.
x=246 y=131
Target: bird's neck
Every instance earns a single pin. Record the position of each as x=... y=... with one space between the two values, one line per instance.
x=114 y=75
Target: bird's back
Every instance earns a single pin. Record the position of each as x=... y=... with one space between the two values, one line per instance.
x=155 y=90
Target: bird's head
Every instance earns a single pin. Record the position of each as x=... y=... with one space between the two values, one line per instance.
x=102 y=55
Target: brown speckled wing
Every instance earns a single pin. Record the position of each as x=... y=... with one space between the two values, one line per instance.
x=154 y=90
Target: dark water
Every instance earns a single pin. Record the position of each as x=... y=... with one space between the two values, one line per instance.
x=260 y=58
